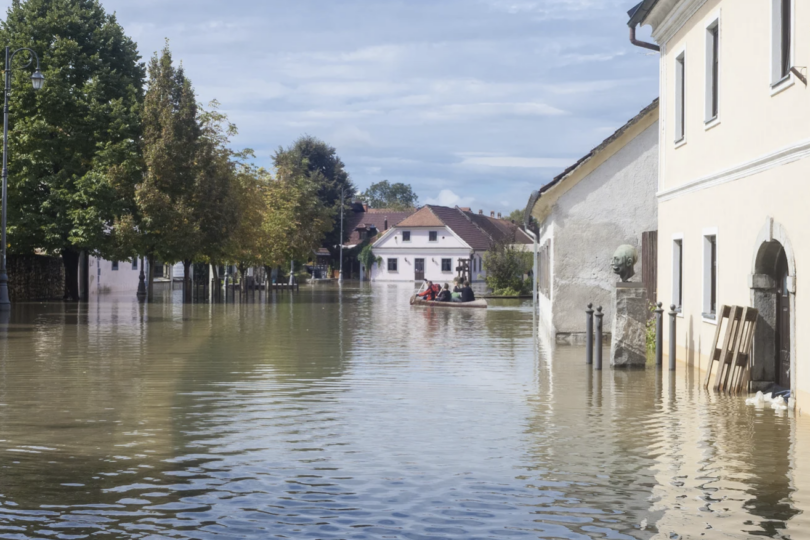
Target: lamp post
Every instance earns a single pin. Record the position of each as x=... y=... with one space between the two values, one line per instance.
x=340 y=272
x=37 y=80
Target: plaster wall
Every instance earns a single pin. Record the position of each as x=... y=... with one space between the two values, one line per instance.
x=611 y=206
x=738 y=211
x=104 y=280
x=754 y=120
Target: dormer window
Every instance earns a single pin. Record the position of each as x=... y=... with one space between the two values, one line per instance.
x=406 y=236
x=433 y=236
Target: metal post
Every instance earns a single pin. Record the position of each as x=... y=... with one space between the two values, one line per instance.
x=5 y=302
x=672 y=336
x=599 y=315
x=659 y=336
x=142 y=283
x=340 y=272
x=589 y=335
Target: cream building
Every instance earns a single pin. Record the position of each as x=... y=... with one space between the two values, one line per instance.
x=734 y=172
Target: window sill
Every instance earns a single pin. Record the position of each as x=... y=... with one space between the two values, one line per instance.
x=710 y=318
x=709 y=124
x=782 y=85
x=680 y=142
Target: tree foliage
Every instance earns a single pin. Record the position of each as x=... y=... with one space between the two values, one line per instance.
x=506 y=265
x=321 y=164
x=396 y=196
x=74 y=145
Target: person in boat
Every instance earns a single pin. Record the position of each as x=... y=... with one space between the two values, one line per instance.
x=445 y=295
x=467 y=294
x=456 y=285
x=430 y=292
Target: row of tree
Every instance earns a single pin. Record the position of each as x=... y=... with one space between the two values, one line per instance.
x=120 y=161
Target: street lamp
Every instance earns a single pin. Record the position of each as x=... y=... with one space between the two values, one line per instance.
x=37 y=80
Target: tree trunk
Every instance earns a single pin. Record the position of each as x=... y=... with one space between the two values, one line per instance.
x=186 y=281
x=70 y=259
x=150 y=278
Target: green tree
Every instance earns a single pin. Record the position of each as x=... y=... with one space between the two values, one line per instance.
x=166 y=223
x=321 y=164
x=505 y=266
x=73 y=146
x=396 y=196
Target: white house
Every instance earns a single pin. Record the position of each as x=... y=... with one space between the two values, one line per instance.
x=436 y=241
x=602 y=201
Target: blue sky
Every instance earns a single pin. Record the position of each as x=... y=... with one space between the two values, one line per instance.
x=472 y=102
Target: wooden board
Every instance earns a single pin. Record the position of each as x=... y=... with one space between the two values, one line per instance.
x=737 y=324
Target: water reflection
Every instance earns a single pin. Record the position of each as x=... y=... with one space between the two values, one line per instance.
x=349 y=414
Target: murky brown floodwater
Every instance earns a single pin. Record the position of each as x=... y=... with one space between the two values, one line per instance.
x=355 y=416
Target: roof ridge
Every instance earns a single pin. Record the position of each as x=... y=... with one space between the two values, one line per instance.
x=430 y=207
x=474 y=224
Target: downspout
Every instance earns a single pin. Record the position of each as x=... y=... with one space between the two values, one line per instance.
x=534 y=268
x=642 y=44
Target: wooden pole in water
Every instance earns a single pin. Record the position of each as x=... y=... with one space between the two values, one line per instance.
x=589 y=335
x=599 y=315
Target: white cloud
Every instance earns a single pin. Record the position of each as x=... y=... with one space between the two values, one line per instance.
x=517 y=162
x=447 y=197
x=466 y=111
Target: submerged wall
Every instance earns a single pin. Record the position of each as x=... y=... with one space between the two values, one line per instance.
x=35 y=277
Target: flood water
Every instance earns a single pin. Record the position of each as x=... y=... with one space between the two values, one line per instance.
x=352 y=415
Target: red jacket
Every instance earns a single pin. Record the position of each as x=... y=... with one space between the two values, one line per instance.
x=430 y=293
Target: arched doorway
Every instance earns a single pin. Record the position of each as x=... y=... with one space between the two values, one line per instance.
x=772 y=293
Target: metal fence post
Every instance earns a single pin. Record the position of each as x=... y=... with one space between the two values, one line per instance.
x=599 y=315
x=672 y=336
x=659 y=336
x=589 y=335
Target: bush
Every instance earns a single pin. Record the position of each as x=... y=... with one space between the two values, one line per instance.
x=509 y=291
x=506 y=266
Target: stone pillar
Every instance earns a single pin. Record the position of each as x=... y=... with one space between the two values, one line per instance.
x=629 y=333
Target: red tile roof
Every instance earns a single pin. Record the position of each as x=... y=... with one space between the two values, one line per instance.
x=373 y=218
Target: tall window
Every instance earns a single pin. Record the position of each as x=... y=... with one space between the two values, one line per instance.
x=115 y=265
x=447 y=265
x=135 y=263
x=433 y=236
x=782 y=39
x=392 y=265
x=406 y=236
x=710 y=276
x=677 y=274
x=680 y=97
x=712 y=71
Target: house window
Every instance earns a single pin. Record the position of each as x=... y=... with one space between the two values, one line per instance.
x=782 y=40
x=406 y=236
x=680 y=97
x=392 y=265
x=447 y=265
x=115 y=265
x=677 y=274
x=710 y=276
x=712 y=71
x=433 y=236
x=135 y=263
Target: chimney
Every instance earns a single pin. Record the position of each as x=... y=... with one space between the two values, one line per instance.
x=365 y=207
x=499 y=215
x=386 y=223
x=480 y=212
x=492 y=214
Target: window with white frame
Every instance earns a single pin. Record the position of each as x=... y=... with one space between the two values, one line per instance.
x=433 y=236
x=677 y=273
x=781 y=40
x=406 y=236
x=680 y=97
x=710 y=275
x=712 y=70
x=447 y=265
x=392 y=265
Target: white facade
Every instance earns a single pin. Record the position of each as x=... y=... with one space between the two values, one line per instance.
x=108 y=277
x=437 y=257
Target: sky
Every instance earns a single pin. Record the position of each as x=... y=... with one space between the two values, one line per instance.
x=472 y=102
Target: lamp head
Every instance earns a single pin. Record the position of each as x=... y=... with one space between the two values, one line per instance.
x=37 y=79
